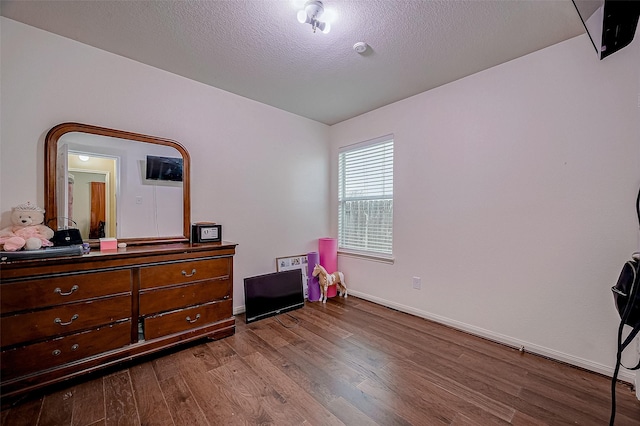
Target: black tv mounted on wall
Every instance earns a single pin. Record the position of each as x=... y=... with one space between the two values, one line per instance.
x=611 y=24
x=272 y=294
x=164 y=168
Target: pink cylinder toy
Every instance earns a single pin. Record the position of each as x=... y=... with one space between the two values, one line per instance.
x=312 y=282
x=328 y=249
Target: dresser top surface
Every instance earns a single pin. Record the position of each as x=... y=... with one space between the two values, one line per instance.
x=122 y=256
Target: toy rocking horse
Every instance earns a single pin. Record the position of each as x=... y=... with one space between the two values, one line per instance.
x=326 y=279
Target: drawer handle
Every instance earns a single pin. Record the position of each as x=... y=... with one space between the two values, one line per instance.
x=57 y=352
x=193 y=272
x=73 y=318
x=191 y=321
x=59 y=291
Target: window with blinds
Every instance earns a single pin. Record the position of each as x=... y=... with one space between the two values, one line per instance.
x=365 y=197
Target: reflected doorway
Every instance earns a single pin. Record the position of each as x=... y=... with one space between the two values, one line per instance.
x=92 y=194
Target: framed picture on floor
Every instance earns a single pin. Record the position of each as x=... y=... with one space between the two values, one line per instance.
x=294 y=262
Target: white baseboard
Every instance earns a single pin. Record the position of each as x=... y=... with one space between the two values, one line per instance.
x=627 y=376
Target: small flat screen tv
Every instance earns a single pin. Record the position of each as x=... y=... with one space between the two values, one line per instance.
x=164 y=168
x=611 y=24
x=272 y=294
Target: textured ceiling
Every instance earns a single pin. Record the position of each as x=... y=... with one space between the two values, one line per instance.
x=257 y=48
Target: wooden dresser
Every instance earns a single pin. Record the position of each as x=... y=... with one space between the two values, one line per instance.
x=66 y=316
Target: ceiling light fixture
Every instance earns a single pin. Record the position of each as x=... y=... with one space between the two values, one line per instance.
x=313 y=10
x=83 y=157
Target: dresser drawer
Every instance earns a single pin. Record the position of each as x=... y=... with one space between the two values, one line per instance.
x=42 y=356
x=43 y=292
x=186 y=319
x=184 y=272
x=63 y=319
x=171 y=298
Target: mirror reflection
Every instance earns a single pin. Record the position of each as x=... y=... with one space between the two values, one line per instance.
x=90 y=201
x=122 y=187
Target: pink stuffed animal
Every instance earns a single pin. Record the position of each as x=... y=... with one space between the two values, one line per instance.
x=27 y=230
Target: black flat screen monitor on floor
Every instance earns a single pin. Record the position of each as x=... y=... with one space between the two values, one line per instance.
x=272 y=294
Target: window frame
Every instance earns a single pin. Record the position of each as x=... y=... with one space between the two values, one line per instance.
x=342 y=198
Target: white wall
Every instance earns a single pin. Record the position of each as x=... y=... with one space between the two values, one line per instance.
x=259 y=171
x=514 y=195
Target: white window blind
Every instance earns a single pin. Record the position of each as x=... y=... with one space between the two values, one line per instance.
x=365 y=197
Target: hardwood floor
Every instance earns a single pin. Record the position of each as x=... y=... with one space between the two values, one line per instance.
x=347 y=362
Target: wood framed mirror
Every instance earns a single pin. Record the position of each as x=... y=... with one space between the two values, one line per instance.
x=113 y=183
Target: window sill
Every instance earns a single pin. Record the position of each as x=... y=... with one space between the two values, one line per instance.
x=368 y=256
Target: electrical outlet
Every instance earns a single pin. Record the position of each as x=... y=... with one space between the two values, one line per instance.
x=417 y=283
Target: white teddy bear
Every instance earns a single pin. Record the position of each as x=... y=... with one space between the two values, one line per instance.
x=27 y=229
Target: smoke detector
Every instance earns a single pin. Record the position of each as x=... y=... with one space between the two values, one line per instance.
x=360 y=47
